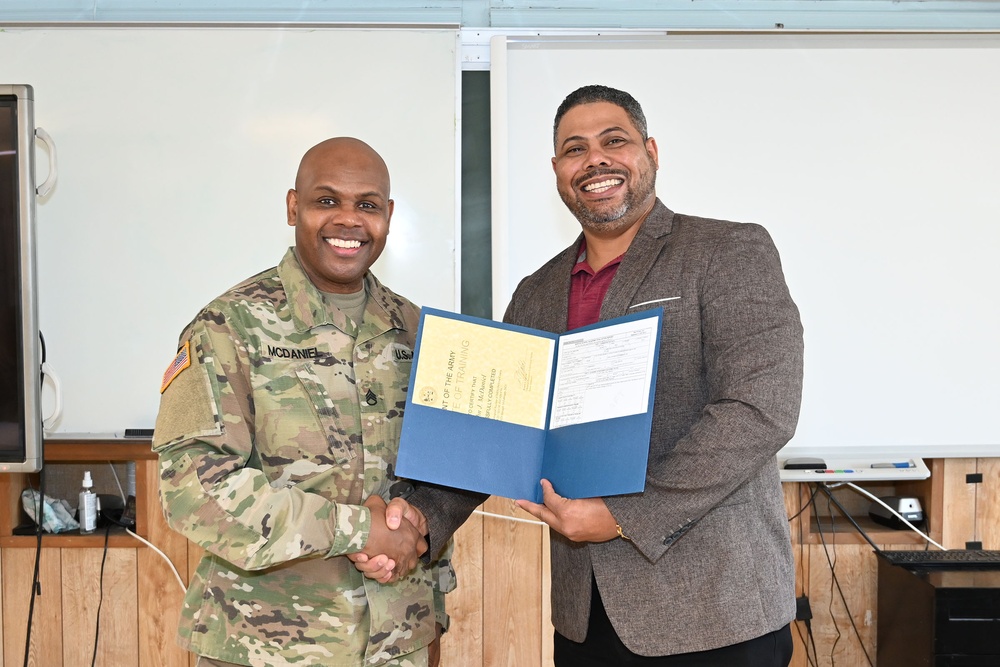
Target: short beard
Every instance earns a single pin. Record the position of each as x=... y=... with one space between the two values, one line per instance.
x=611 y=219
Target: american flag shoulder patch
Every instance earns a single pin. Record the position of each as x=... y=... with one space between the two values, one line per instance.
x=180 y=362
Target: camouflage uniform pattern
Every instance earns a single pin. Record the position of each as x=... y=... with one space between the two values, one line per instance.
x=286 y=421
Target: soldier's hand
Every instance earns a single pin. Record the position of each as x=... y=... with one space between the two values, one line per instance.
x=390 y=552
x=378 y=567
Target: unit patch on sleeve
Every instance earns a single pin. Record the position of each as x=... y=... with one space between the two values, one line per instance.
x=180 y=362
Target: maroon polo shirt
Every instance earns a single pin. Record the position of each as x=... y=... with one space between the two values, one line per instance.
x=587 y=289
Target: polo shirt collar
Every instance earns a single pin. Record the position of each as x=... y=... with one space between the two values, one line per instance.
x=581 y=260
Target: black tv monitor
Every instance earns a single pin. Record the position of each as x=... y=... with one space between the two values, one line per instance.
x=20 y=363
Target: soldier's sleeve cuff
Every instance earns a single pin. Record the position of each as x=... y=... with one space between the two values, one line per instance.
x=351 y=527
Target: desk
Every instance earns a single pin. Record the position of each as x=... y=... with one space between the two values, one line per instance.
x=942 y=618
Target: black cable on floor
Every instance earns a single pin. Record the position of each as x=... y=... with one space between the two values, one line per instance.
x=836 y=580
x=100 y=599
x=36 y=586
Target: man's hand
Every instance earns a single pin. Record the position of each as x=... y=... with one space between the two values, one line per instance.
x=399 y=509
x=581 y=520
x=391 y=551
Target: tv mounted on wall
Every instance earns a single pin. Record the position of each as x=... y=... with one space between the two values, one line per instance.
x=20 y=362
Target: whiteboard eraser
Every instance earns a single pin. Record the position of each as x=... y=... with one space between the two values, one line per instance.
x=805 y=463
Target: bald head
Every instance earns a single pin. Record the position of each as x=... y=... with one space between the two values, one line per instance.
x=341 y=149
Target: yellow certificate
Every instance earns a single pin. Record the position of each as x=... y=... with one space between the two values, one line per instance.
x=482 y=370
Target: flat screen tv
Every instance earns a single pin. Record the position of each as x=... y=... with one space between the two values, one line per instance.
x=20 y=374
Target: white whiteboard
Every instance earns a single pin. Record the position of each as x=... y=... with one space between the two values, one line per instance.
x=175 y=149
x=873 y=160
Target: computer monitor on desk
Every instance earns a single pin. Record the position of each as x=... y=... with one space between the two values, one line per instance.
x=855 y=469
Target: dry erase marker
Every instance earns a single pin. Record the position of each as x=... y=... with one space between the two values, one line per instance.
x=895 y=464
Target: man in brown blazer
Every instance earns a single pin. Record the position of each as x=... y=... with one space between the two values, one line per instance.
x=697 y=569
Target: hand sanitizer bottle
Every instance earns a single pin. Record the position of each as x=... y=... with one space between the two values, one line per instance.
x=88 y=506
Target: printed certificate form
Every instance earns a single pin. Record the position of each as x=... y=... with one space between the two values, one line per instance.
x=483 y=371
x=495 y=407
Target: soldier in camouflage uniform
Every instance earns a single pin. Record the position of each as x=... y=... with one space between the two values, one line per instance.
x=277 y=435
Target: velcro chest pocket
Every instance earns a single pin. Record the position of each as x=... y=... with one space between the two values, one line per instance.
x=298 y=421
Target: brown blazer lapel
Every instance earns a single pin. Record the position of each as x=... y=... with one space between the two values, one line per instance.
x=638 y=262
x=543 y=298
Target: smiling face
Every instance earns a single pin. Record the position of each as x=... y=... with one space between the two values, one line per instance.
x=340 y=209
x=605 y=170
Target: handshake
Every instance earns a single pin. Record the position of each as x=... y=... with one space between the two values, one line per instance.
x=398 y=532
x=396 y=540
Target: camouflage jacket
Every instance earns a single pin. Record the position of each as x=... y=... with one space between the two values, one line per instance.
x=278 y=417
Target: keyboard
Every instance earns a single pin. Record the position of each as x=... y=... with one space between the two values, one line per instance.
x=954 y=559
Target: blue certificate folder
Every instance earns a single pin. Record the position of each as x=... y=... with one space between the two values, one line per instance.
x=602 y=457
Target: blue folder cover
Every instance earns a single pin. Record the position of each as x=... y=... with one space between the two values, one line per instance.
x=582 y=460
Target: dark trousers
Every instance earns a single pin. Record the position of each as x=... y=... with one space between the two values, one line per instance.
x=603 y=648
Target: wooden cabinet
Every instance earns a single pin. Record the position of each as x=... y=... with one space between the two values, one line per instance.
x=837 y=568
x=126 y=595
x=503 y=617
x=72 y=458
x=500 y=611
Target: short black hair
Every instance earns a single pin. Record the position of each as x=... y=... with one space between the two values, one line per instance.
x=598 y=93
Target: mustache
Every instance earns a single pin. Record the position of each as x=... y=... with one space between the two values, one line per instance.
x=602 y=171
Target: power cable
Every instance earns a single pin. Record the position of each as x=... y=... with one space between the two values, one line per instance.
x=814 y=658
x=836 y=581
x=36 y=586
x=833 y=575
x=100 y=599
